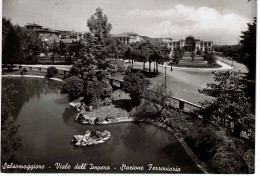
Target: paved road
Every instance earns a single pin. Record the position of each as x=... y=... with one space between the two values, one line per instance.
x=185 y=84
x=237 y=66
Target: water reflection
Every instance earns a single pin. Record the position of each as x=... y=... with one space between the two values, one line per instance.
x=29 y=88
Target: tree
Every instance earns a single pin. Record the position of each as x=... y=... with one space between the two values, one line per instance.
x=178 y=54
x=73 y=86
x=209 y=56
x=249 y=51
x=159 y=54
x=10 y=139
x=132 y=52
x=231 y=108
x=135 y=84
x=51 y=71
x=54 y=49
x=98 y=24
x=11 y=43
x=62 y=49
x=96 y=93
x=34 y=46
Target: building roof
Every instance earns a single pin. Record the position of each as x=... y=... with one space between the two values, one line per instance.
x=204 y=41
x=120 y=35
x=130 y=34
x=33 y=24
x=47 y=30
x=125 y=35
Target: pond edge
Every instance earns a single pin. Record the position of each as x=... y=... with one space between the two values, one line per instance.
x=201 y=165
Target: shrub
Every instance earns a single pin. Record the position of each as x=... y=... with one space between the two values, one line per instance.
x=209 y=57
x=135 y=84
x=198 y=52
x=101 y=74
x=121 y=67
x=97 y=93
x=23 y=71
x=51 y=72
x=128 y=69
x=217 y=150
x=144 y=111
x=73 y=86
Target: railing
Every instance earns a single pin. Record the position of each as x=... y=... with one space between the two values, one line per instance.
x=173 y=102
x=184 y=105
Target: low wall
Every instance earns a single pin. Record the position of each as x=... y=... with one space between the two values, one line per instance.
x=183 y=105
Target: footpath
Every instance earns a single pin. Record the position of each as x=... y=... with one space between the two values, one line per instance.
x=223 y=67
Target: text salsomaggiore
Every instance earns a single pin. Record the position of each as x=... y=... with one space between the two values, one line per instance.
x=23 y=166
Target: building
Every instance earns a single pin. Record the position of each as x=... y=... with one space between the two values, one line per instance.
x=32 y=27
x=190 y=44
x=50 y=38
x=127 y=37
x=47 y=31
x=69 y=37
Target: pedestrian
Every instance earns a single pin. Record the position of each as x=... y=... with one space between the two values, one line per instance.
x=171 y=69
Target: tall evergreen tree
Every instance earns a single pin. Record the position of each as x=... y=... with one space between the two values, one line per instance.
x=98 y=24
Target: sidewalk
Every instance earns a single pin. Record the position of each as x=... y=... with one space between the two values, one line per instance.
x=60 y=67
x=223 y=65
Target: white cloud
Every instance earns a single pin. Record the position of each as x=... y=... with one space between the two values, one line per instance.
x=181 y=21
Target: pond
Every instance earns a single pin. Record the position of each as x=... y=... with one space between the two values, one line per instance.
x=47 y=127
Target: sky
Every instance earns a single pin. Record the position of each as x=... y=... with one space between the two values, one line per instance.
x=220 y=21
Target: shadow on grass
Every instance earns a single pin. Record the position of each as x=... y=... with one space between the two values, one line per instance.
x=152 y=74
x=125 y=104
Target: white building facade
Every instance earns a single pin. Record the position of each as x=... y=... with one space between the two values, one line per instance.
x=128 y=37
x=190 y=44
